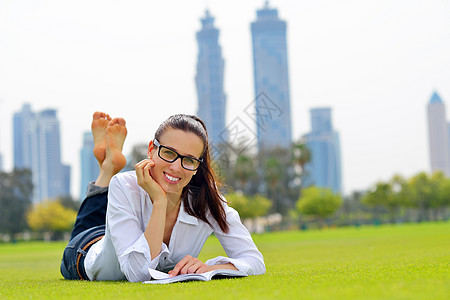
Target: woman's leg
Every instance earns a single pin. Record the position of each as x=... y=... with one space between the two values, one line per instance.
x=109 y=136
x=72 y=264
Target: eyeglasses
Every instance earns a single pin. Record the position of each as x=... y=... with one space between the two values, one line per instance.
x=169 y=155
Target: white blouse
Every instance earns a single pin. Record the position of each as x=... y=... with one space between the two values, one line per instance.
x=123 y=253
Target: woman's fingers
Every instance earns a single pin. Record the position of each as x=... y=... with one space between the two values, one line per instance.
x=145 y=179
x=179 y=266
x=189 y=265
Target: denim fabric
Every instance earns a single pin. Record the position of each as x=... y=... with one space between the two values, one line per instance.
x=91 y=213
x=74 y=249
x=90 y=224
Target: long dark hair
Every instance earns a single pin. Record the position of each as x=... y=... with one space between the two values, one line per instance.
x=204 y=186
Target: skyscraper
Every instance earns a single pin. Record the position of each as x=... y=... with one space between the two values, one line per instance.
x=271 y=79
x=324 y=169
x=89 y=164
x=209 y=80
x=438 y=135
x=37 y=147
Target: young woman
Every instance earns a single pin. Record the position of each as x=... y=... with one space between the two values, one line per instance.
x=158 y=216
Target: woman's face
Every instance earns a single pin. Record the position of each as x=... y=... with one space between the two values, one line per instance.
x=172 y=177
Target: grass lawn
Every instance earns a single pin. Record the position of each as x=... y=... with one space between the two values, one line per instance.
x=410 y=261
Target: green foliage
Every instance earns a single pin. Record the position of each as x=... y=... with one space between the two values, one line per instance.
x=392 y=194
x=249 y=206
x=428 y=194
x=318 y=202
x=51 y=216
x=244 y=170
x=16 y=190
x=274 y=173
x=301 y=155
x=386 y=262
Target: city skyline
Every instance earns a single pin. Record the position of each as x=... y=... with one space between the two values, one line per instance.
x=323 y=142
x=438 y=135
x=37 y=147
x=375 y=63
x=209 y=81
x=88 y=164
x=272 y=107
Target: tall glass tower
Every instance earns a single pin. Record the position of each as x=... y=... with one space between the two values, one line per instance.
x=89 y=164
x=438 y=135
x=324 y=169
x=271 y=79
x=209 y=80
x=37 y=147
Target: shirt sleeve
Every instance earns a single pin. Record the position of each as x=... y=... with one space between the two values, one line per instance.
x=127 y=232
x=238 y=245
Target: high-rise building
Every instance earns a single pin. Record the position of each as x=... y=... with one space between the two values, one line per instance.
x=271 y=79
x=89 y=164
x=37 y=147
x=209 y=80
x=438 y=135
x=324 y=169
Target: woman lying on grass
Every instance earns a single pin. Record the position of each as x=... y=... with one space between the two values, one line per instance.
x=158 y=216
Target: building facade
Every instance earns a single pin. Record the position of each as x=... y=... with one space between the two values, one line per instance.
x=37 y=147
x=438 y=135
x=209 y=81
x=271 y=80
x=89 y=165
x=325 y=168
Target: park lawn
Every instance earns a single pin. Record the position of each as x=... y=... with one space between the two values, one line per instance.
x=409 y=261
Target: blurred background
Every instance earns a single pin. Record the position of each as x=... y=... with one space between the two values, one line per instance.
x=342 y=96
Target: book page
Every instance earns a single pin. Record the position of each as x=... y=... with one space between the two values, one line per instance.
x=158 y=274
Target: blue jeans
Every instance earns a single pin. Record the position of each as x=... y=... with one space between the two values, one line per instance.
x=89 y=228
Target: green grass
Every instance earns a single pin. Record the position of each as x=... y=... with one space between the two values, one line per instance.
x=410 y=261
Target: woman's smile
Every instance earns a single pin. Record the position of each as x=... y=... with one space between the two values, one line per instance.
x=171 y=179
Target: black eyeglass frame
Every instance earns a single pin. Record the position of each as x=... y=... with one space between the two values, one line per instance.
x=157 y=144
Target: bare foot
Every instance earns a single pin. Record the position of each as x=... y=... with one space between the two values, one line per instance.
x=100 y=122
x=114 y=160
x=116 y=132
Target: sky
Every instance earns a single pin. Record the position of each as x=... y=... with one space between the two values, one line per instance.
x=376 y=63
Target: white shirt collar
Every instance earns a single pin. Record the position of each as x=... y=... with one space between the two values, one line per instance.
x=184 y=217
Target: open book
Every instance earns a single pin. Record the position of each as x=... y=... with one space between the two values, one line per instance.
x=162 y=278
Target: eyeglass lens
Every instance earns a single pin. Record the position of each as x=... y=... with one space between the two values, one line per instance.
x=170 y=156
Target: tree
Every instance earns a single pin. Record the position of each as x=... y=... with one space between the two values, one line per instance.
x=390 y=195
x=70 y=203
x=277 y=177
x=301 y=155
x=16 y=190
x=318 y=202
x=444 y=195
x=51 y=216
x=244 y=171
x=138 y=153
x=249 y=206
x=423 y=191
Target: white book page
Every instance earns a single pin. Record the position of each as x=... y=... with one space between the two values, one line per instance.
x=161 y=275
x=158 y=274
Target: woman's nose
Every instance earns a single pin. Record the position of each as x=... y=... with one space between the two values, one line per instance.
x=176 y=165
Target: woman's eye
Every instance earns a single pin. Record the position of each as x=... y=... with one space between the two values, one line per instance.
x=189 y=161
x=169 y=153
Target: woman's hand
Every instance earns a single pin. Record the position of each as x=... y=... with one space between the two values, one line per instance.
x=146 y=181
x=190 y=265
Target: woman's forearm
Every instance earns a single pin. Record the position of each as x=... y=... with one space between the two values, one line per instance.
x=154 y=233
